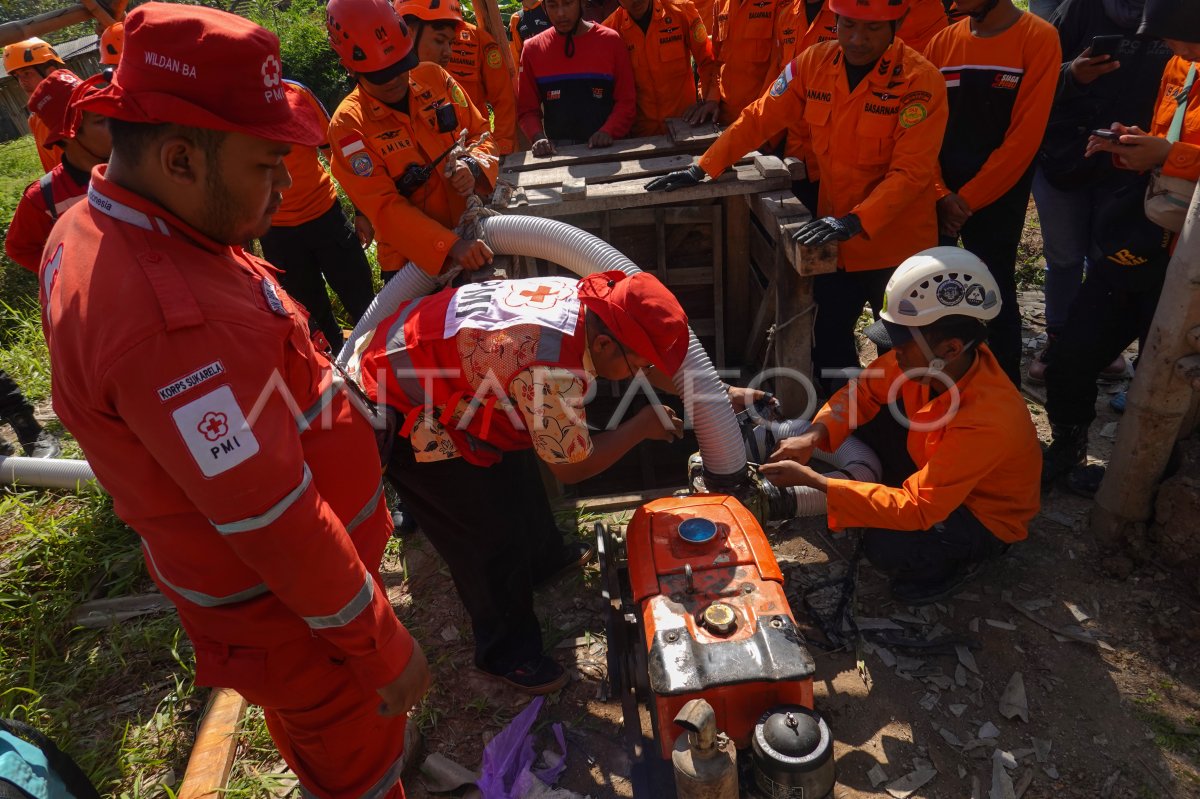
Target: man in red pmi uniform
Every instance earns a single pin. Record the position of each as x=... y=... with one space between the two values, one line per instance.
x=478 y=377
x=402 y=116
x=875 y=112
x=29 y=62
x=190 y=381
x=663 y=37
x=85 y=141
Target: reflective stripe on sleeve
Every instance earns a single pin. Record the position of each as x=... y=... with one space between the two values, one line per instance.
x=200 y=598
x=348 y=613
x=272 y=514
x=367 y=509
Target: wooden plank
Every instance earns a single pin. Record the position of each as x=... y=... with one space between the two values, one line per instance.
x=208 y=767
x=105 y=612
x=574 y=190
x=770 y=167
x=792 y=336
x=582 y=154
x=756 y=340
x=632 y=194
x=608 y=503
x=772 y=207
x=604 y=172
x=809 y=261
x=718 y=283
x=736 y=277
x=796 y=168
x=683 y=133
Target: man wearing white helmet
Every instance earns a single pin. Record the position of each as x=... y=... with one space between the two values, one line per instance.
x=960 y=455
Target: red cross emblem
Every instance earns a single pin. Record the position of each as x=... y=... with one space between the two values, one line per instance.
x=213 y=426
x=542 y=297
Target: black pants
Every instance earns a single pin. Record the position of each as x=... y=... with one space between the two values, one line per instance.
x=324 y=249
x=840 y=297
x=993 y=233
x=11 y=399
x=1115 y=305
x=494 y=529
x=919 y=554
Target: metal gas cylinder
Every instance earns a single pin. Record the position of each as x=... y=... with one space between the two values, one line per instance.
x=704 y=759
x=792 y=754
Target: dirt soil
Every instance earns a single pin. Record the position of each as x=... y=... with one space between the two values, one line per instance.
x=1116 y=721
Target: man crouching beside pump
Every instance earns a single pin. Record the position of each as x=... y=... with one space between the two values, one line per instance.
x=960 y=456
x=476 y=377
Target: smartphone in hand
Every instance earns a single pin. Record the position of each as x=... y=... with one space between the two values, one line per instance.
x=1105 y=133
x=1106 y=45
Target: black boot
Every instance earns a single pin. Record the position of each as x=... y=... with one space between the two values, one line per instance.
x=1067 y=450
x=37 y=442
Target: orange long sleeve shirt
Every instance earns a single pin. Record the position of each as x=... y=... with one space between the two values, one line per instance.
x=875 y=147
x=478 y=66
x=1184 y=159
x=373 y=145
x=312 y=191
x=742 y=46
x=48 y=158
x=925 y=19
x=1000 y=91
x=984 y=453
x=662 y=62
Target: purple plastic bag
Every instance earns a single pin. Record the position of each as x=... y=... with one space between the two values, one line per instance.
x=508 y=758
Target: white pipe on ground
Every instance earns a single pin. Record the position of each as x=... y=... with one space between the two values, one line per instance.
x=73 y=475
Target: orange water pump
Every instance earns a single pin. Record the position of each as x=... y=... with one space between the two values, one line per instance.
x=698 y=611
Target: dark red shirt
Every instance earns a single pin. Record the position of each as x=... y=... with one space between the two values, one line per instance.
x=32 y=221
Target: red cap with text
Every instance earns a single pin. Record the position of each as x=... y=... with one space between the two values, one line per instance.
x=203 y=68
x=641 y=312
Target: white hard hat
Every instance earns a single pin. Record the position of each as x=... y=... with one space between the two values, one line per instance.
x=938 y=282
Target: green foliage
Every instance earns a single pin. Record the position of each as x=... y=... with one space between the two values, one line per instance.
x=119 y=699
x=304 y=47
x=19 y=166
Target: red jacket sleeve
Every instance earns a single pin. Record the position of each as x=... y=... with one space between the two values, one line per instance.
x=624 y=91
x=529 y=101
x=266 y=506
x=29 y=229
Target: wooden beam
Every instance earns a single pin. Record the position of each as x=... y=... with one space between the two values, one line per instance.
x=683 y=133
x=606 y=172
x=608 y=503
x=582 y=154
x=632 y=194
x=208 y=768
x=737 y=272
x=1159 y=399
x=494 y=25
x=19 y=30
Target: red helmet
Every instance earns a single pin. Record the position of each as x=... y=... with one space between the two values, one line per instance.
x=431 y=10
x=368 y=36
x=870 y=10
x=112 y=42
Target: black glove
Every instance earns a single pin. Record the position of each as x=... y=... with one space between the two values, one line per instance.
x=691 y=176
x=827 y=229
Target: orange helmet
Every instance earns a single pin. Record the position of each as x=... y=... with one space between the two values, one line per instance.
x=29 y=53
x=369 y=38
x=431 y=10
x=112 y=41
x=870 y=10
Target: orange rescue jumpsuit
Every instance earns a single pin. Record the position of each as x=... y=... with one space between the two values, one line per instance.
x=876 y=147
x=478 y=65
x=983 y=454
x=373 y=145
x=662 y=62
x=742 y=45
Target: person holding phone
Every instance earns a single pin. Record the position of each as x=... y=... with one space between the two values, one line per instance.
x=1108 y=73
x=1116 y=304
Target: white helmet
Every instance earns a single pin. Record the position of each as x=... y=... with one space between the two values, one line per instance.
x=938 y=282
